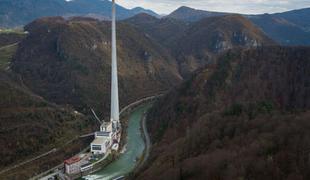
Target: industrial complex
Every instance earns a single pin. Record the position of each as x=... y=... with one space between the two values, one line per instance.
x=107 y=139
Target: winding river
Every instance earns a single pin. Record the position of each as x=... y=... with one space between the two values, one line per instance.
x=133 y=150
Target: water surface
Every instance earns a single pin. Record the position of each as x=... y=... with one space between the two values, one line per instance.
x=134 y=149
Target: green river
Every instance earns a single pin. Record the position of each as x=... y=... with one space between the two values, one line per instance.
x=133 y=150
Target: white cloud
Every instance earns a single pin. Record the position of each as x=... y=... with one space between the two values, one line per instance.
x=237 y=6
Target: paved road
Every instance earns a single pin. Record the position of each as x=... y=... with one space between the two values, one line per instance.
x=147 y=141
x=7 y=46
x=87 y=135
x=30 y=160
x=49 y=176
x=140 y=101
x=82 y=136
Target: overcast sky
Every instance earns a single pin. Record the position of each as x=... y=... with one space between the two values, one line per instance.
x=237 y=6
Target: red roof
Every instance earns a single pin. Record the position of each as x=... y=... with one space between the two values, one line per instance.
x=72 y=160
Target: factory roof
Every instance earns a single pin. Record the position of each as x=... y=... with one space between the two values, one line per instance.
x=72 y=160
x=100 y=140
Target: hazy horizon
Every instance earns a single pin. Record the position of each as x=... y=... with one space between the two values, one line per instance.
x=234 y=6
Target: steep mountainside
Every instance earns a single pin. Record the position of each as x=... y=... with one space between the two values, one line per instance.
x=300 y=17
x=287 y=28
x=247 y=117
x=30 y=126
x=15 y=13
x=68 y=62
x=165 y=30
x=195 y=44
x=211 y=36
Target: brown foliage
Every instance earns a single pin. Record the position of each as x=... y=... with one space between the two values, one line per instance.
x=245 y=118
x=68 y=62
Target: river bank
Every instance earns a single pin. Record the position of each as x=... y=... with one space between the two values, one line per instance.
x=52 y=168
x=148 y=144
x=125 y=115
x=134 y=149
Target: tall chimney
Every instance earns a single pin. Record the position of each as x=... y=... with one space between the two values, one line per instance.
x=114 y=80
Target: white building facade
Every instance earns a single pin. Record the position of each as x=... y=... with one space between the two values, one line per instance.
x=100 y=145
x=103 y=139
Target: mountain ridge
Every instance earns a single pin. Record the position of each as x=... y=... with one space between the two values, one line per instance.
x=278 y=26
x=190 y=14
x=18 y=13
x=196 y=44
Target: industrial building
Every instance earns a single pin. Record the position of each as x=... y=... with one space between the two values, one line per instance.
x=72 y=165
x=109 y=134
x=101 y=144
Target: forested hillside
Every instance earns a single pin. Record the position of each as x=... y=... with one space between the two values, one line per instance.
x=68 y=62
x=195 y=44
x=244 y=118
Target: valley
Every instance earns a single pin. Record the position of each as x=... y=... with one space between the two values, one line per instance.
x=48 y=88
x=236 y=90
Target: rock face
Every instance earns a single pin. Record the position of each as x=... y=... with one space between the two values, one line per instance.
x=196 y=44
x=246 y=117
x=211 y=36
x=68 y=62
